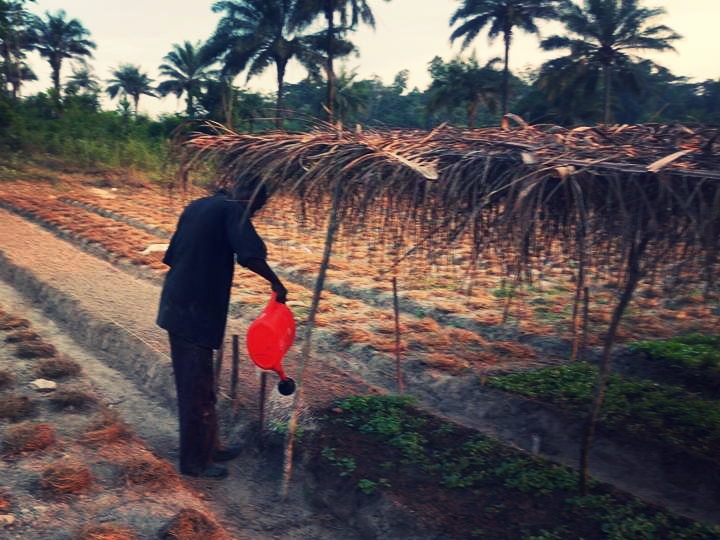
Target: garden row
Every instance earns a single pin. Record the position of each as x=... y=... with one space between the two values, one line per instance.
x=69 y=463
x=121 y=223
x=469 y=485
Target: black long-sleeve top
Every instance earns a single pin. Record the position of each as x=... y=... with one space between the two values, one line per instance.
x=210 y=234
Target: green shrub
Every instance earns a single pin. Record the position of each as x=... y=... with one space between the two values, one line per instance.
x=693 y=351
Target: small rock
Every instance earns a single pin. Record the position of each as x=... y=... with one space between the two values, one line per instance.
x=103 y=193
x=43 y=385
x=7 y=520
x=152 y=248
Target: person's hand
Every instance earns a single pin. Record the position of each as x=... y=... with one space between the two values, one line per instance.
x=280 y=292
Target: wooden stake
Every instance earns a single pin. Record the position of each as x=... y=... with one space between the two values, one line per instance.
x=263 y=387
x=333 y=223
x=398 y=366
x=218 y=366
x=235 y=369
x=586 y=316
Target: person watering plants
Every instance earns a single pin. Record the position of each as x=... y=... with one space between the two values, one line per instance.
x=212 y=232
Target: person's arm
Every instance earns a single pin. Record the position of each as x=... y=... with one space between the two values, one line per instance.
x=262 y=269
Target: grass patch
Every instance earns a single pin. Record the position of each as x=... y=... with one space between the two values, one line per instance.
x=56 y=368
x=27 y=437
x=640 y=406
x=72 y=398
x=35 y=349
x=23 y=334
x=106 y=429
x=150 y=472
x=189 y=524
x=10 y=322
x=7 y=379
x=65 y=478
x=468 y=485
x=14 y=407
x=105 y=531
x=691 y=351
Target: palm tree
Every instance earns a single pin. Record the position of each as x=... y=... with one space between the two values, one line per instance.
x=351 y=12
x=82 y=90
x=186 y=69
x=128 y=81
x=502 y=17
x=255 y=34
x=83 y=79
x=603 y=31
x=57 y=39
x=19 y=73
x=351 y=97
x=15 y=40
x=465 y=83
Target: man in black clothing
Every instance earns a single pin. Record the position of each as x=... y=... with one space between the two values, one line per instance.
x=211 y=234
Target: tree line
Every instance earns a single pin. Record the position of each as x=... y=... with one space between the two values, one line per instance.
x=598 y=76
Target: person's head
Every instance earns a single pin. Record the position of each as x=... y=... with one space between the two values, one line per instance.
x=252 y=192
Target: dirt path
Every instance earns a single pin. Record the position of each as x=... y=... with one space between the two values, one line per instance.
x=90 y=305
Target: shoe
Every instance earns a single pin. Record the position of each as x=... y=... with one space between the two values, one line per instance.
x=226 y=454
x=214 y=472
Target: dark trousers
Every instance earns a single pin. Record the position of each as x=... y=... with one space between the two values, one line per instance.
x=195 y=386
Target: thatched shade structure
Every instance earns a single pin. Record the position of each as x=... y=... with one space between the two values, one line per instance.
x=520 y=187
x=633 y=199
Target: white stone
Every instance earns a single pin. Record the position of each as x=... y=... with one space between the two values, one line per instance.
x=43 y=385
x=152 y=248
x=102 y=193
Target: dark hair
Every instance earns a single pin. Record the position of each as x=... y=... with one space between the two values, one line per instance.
x=252 y=189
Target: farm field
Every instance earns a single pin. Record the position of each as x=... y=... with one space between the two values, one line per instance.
x=451 y=343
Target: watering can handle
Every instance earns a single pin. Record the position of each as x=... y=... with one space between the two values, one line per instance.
x=272 y=303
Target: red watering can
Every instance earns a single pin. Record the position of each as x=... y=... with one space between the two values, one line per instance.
x=268 y=339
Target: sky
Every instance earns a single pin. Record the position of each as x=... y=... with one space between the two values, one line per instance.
x=408 y=34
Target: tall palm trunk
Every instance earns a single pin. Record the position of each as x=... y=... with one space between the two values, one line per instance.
x=607 y=80
x=281 y=66
x=330 y=72
x=55 y=66
x=227 y=103
x=506 y=71
x=472 y=110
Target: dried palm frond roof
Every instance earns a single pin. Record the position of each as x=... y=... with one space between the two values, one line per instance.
x=661 y=182
x=678 y=149
x=674 y=149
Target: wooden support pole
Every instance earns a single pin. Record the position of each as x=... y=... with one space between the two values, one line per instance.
x=398 y=366
x=586 y=316
x=218 y=366
x=263 y=393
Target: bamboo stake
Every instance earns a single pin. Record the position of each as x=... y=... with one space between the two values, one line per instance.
x=398 y=366
x=632 y=277
x=218 y=366
x=586 y=316
x=263 y=393
x=579 y=287
x=319 y=285
x=235 y=369
x=218 y=369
